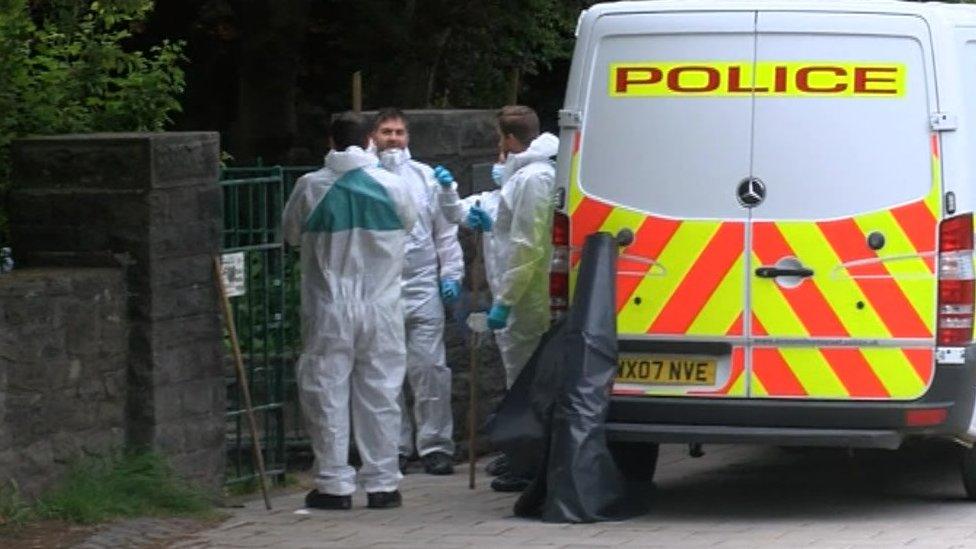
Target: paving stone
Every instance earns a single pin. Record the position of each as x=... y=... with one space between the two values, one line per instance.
x=735 y=499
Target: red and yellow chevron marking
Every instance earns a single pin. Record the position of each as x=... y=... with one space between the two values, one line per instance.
x=861 y=294
x=865 y=373
x=701 y=291
x=874 y=301
x=825 y=372
x=696 y=288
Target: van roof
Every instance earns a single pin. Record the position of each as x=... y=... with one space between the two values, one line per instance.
x=959 y=13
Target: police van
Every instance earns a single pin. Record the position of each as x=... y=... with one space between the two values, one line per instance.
x=800 y=180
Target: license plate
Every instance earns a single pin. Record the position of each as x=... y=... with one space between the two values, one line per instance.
x=666 y=370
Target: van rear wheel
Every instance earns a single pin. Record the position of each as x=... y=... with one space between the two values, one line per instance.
x=968 y=468
x=637 y=461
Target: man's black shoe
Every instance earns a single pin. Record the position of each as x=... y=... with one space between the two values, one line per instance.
x=438 y=463
x=384 y=500
x=498 y=466
x=509 y=483
x=318 y=500
x=403 y=463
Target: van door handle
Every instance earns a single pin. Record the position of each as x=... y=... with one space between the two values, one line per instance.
x=773 y=272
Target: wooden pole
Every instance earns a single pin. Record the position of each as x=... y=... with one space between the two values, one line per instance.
x=473 y=375
x=242 y=379
x=513 y=86
x=357 y=91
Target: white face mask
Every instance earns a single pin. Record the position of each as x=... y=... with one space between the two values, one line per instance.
x=391 y=159
x=497 y=171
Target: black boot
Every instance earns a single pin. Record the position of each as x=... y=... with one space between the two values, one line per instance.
x=384 y=500
x=438 y=463
x=498 y=466
x=509 y=483
x=318 y=500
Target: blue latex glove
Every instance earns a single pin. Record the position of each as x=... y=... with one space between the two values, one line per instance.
x=478 y=219
x=498 y=316
x=443 y=176
x=450 y=290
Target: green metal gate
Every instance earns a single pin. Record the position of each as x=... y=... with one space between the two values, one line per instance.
x=266 y=317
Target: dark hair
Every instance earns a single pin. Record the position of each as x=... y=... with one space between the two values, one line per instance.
x=349 y=129
x=389 y=113
x=520 y=121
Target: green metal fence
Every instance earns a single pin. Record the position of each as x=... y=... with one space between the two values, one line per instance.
x=266 y=318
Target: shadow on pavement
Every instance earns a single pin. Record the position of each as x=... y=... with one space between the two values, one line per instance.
x=735 y=483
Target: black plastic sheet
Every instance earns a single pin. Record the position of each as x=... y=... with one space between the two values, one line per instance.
x=551 y=423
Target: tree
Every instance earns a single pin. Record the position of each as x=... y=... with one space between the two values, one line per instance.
x=66 y=70
x=268 y=73
x=273 y=33
x=445 y=53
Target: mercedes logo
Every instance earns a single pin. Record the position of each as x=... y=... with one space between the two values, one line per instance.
x=751 y=192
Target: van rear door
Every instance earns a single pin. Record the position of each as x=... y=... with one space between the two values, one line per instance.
x=849 y=170
x=664 y=141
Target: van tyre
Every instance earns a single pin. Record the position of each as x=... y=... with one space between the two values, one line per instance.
x=968 y=468
x=637 y=461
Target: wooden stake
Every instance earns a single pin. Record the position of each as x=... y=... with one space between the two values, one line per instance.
x=242 y=378
x=513 y=86
x=357 y=91
x=473 y=375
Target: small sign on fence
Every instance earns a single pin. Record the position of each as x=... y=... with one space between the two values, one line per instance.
x=232 y=269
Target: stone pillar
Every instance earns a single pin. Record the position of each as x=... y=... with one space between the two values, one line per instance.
x=152 y=202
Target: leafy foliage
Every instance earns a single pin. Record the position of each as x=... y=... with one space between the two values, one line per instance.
x=444 y=53
x=66 y=69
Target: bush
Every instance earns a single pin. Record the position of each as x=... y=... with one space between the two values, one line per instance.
x=66 y=70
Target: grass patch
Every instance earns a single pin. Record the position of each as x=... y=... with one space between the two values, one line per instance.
x=102 y=488
x=14 y=511
x=123 y=485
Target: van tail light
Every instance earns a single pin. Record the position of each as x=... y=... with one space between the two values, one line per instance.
x=559 y=267
x=956 y=281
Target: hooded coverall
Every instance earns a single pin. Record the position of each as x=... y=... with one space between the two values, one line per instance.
x=433 y=252
x=351 y=220
x=518 y=249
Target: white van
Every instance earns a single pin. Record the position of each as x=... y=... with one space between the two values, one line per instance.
x=800 y=180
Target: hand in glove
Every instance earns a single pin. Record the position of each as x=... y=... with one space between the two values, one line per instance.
x=443 y=176
x=478 y=219
x=450 y=290
x=498 y=316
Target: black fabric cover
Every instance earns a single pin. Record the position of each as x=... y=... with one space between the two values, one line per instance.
x=551 y=423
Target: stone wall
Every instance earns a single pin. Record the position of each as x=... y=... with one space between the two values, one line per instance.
x=151 y=202
x=63 y=359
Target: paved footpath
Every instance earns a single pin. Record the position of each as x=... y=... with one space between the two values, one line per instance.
x=734 y=496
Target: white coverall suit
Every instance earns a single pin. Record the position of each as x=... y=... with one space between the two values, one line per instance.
x=432 y=242
x=518 y=249
x=351 y=219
